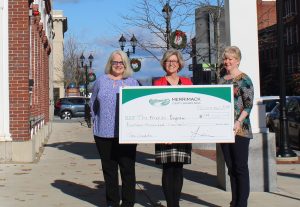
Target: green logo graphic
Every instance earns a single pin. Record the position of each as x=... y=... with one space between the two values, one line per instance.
x=159 y=102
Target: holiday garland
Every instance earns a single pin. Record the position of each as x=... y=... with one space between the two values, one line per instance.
x=178 y=39
x=135 y=64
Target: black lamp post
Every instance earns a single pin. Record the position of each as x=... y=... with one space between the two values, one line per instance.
x=167 y=12
x=87 y=109
x=284 y=146
x=85 y=67
x=133 y=42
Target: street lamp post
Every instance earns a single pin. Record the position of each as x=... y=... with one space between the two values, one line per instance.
x=284 y=149
x=133 y=42
x=167 y=12
x=87 y=109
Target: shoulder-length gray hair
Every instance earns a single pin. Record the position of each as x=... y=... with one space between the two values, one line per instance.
x=168 y=54
x=128 y=70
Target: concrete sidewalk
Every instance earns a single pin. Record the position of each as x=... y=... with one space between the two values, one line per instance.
x=68 y=174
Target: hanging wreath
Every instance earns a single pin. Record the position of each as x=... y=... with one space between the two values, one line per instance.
x=91 y=77
x=135 y=64
x=178 y=39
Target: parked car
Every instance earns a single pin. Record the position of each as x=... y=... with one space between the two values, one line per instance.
x=293 y=120
x=270 y=102
x=69 y=107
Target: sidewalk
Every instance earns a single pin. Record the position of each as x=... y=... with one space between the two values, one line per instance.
x=68 y=174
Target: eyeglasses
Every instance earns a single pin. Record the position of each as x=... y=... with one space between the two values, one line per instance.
x=171 y=62
x=117 y=63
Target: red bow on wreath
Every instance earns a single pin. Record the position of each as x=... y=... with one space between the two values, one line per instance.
x=179 y=34
x=178 y=39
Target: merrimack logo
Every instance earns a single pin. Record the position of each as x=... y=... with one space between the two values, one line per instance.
x=159 y=102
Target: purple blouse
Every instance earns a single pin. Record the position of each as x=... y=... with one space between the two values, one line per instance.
x=106 y=115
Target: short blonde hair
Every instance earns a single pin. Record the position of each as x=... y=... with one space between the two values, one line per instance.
x=168 y=54
x=128 y=70
x=232 y=51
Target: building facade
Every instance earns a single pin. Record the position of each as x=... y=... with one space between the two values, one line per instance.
x=26 y=64
x=5 y=136
x=268 y=54
x=266 y=13
x=208 y=43
x=59 y=27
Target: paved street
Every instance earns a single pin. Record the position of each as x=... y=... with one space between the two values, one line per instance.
x=68 y=174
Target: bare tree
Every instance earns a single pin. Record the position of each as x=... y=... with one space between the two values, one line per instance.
x=149 y=18
x=71 y=67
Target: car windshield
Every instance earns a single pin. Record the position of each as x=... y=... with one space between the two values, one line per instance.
x=270 y=104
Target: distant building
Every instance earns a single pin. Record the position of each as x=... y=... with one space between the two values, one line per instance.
x=268 y=51
x=60 y=27
x=208 y=43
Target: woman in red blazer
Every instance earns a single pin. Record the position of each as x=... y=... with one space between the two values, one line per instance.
x=172 y=156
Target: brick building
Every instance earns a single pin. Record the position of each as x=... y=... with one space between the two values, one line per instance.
x=26 y=68
x=266 y=13
x=269 y=70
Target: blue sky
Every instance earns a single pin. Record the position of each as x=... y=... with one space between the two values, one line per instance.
x=98 y=24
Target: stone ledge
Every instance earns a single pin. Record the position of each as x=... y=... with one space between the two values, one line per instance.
x=25 y=151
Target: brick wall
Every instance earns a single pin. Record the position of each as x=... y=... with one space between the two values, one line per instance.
x=21 y=69
x=266 y=13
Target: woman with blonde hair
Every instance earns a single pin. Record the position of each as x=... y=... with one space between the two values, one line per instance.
x=236 y=154
x=172 y=156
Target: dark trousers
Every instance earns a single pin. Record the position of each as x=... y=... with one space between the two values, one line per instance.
x=114 y=155
x=236 y=158
x=172 y=181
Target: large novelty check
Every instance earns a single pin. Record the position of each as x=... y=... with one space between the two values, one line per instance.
x=181 y=114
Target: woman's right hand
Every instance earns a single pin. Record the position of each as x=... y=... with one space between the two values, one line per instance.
x=237 y=127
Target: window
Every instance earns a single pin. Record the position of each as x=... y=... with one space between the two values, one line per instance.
x=297 y=33
x=289 y=64
x=270 y=104
x=298 y=64
x=65 y=101
x=289 y=35
x=77 y=101
x=293 y=106
x=56 y=94
x=290 y=7
x=276 y=109
x=294 y=65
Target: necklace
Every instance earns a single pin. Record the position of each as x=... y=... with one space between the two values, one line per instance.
x=235 y=76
